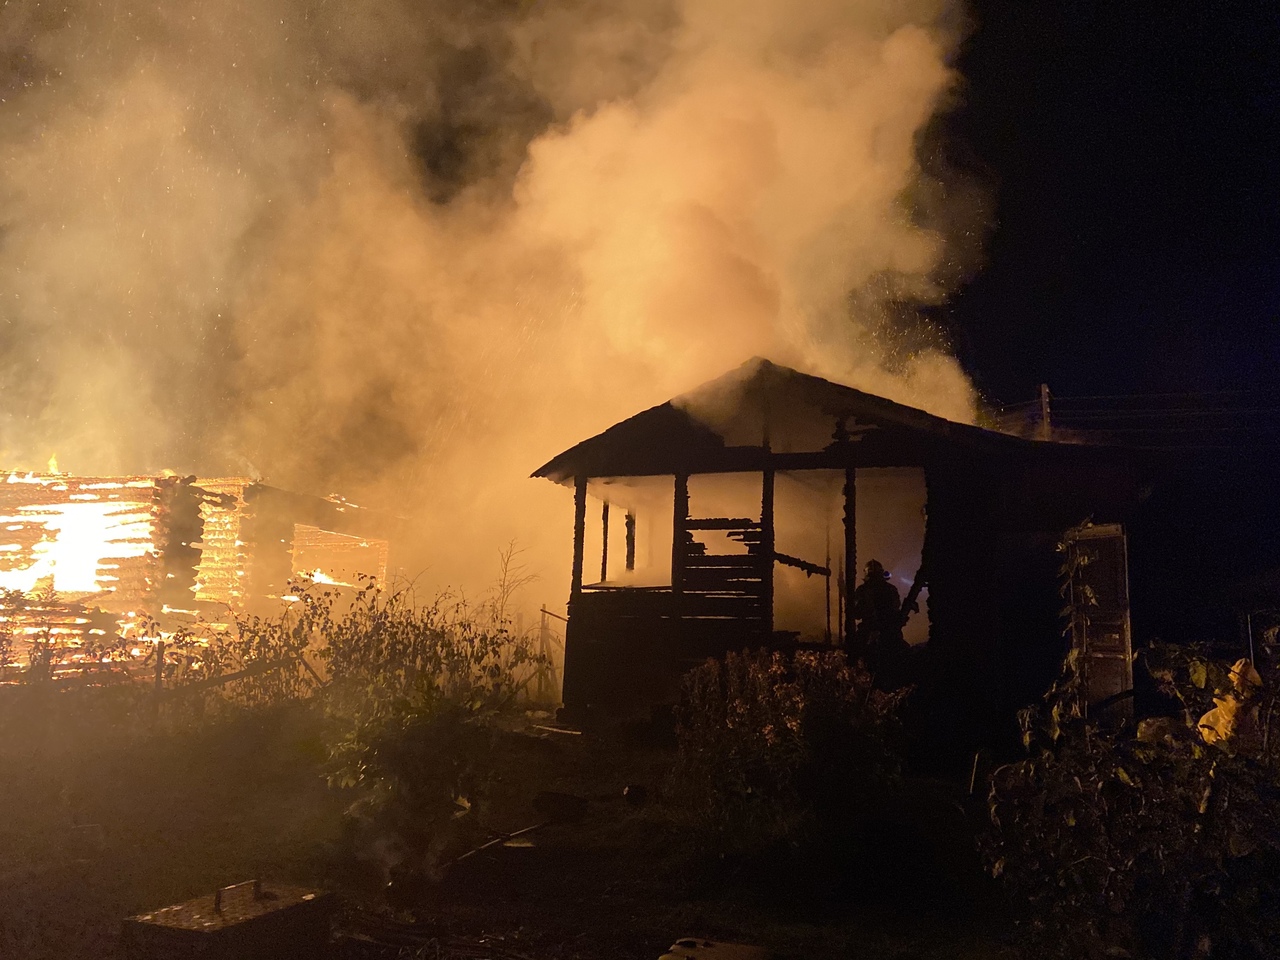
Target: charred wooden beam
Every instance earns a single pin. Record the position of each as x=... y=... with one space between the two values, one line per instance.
x=827 y=632
x=679 y=533
x=809 y=568
x=850 y=549
x=722 y=523
x=631 y=540
x=604 y=540
x=579 y=532
x=767 y=540
x=870 y=452
x=179 y=536
x=910 y=603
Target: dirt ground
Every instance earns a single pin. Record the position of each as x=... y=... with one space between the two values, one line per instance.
x=90 y=834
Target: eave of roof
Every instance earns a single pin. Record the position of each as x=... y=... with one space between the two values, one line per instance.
x=654 y=439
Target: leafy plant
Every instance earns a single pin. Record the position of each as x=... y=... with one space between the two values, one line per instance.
x=412 y=695
x=9 y=601
x=773 y=747
x=419 y=775
x=409 y=692
x=1156 y=840
x=29 y=611
x=388 y=647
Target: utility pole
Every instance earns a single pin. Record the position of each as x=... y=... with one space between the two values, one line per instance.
x=1046 y=429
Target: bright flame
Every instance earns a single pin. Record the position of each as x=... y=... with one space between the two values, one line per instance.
x=53 y=463
x=80 y=543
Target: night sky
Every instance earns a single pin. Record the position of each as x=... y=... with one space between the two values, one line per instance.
x=1134 y=163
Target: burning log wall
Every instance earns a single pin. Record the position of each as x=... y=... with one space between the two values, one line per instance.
x=219 y=576
x=88 y=560
x=88 y=537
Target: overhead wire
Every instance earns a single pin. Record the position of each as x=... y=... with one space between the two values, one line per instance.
x=1237 y=419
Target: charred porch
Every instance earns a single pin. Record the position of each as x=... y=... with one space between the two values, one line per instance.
x=742 y=514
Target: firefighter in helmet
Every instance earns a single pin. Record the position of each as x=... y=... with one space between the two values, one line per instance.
x=877 y=607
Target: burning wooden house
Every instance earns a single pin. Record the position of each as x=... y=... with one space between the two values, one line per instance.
x=87 y=558
x=741 y=514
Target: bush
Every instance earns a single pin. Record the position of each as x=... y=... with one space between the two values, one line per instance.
x=419 y=778
x=1159 y=840
x=773 y=749
x=412 y=696
x=265 y=655
x=408 y=692
x=386 y=647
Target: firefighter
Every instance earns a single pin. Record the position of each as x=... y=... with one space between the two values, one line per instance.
x=877 y=607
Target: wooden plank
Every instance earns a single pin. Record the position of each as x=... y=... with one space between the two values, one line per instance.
x=680 y=517
x=716 y=580
x=604 y=549
x=721 y=523
x=711 y=604
x=735 y=575
x=767 y=532
x=850 y=551
x=599 y=589
x=726 y=561
x=753 y=594
x=731 y=579
x=812 y=569
x=622 y=603
x=579 y=533
x=724 y=607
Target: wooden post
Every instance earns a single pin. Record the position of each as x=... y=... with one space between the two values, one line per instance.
x=840 y=605
x=850 y=549
x=631 y=540
x=604 y=550
x=579 y=533
x=767 y=542
x=826 y=633
x=543 y=651
x=679 y=519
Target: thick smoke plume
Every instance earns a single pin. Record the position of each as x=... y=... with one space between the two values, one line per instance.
x=410 y=250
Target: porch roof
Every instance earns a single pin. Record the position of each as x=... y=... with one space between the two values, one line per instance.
x=725 y=424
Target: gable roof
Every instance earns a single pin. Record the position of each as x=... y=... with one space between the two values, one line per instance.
x=755 y=403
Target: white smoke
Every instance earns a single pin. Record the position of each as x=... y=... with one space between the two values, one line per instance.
x=412 y=250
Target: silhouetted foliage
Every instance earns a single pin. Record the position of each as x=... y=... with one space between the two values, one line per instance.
x=408 y=692
x=412 y=694
x=774 y=747
x=1158 y=840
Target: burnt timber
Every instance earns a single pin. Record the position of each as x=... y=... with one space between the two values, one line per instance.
x=996 y=506
x=87 y=559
